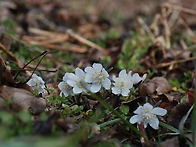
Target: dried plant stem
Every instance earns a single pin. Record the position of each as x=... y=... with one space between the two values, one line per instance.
x=179 y=8
x=85 y=41
x=11 y=55
x=174 y=62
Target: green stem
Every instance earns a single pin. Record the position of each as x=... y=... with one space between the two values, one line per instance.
x=109 y=122
x=169 y=127
x=107 y=106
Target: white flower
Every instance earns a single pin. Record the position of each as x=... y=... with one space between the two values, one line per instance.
x=37 y=83
x=77 y=81
x=97 y=76
x=64 y=87
x=122 y=84
x=136 y=78
x=147 y=115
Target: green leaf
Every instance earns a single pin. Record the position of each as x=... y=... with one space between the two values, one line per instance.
x=169 y=127
x=124 y=109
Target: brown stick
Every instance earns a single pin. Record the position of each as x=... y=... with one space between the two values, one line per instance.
x=178 y=8
x=11 y=55
x=174 y=62
x=85 y=41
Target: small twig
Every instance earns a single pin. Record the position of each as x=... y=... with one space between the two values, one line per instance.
x=85 y=41
x=43 y=32
x=188 y=29
x=11 y=55
x=166 y=27
x=68 y=47
x=43 y=55
x=36 y=70
x=145 y=27
x=178 y=8
x=174 y=62
x=28 y=64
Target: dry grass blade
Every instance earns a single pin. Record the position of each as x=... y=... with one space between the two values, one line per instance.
x=85 y=41
x=67 y=47
x=47 y=39
x=179 y=8
x=174 y=62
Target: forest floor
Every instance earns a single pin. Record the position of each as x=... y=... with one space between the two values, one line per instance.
x=51 y=38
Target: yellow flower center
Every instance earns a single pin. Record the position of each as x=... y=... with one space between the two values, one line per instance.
x=98 y=77
x=121 y=84
x=147 y=114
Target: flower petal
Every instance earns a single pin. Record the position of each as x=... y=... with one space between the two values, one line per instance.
x=154 y=123
x=105 y=73
x=97 y=66
x=134 y=119
x=139 y=110
x=136 y=78
x=116 y=90
x=145 y=124
x=77 y=90
x=123 y=73
x=71 y=83
x=106 y=83
x=60 y=85
x=65 y=93
x=88 y=87
x=144 y=77
x=125 y=92
x=95 y=88
x=129 y=73
x=72 y=77
x=79 y=72
x=115 y=78
x=159 y=111
x=148 y=106
x=65 y=77
x=89 y=70
x=129 y=83
x=89 y=78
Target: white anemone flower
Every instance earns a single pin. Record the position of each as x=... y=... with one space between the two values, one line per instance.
x=122 y=84
x=146 y=114
x=37 y=83
x=66 y=89
x=98 y=77
x=136 y=78
x=77 y=81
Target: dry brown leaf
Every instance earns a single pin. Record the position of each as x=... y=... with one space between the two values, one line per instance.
x=5 y=74
x=190 y=94
x=156 y=86
x=178 y=112
x=176 y=141
x=22 y=99
x=67 y=125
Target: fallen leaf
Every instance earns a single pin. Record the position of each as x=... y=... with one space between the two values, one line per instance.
x=156 y=86
x=177 y=141
x=178 y=112
x=67 y=125
x=190 y=94
x=21 y=99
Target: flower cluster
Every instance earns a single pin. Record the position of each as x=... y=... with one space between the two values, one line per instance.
x=91 y=79
x=147 y=115
x=37 y=83
x=94 y=78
